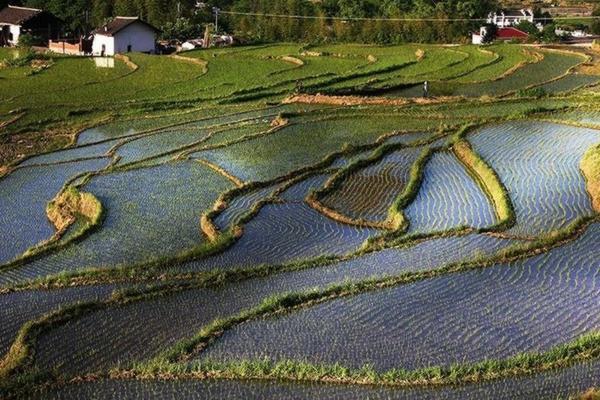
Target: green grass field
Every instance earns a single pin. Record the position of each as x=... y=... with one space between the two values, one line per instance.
x=298 y=221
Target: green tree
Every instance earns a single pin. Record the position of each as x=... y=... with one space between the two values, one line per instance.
x=101 y=10
x=528 y=27
x=167 y=13
x=490 y=33
x=75 y=13
x=181 y=29
x=548 y=35
x=595 y=27
x=126 y=8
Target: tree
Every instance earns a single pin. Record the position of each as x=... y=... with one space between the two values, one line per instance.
x=73 y=12
x=126 y=8
x=491 y=30
x=26 y=41
x=544 y=17
x=167 y=13
x=528 y=27
x=548 y=35
x=182 y=29
x=595 y=27
x=101 y=10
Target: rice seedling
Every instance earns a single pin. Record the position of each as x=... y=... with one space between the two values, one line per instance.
x=447 y=198
x=289 y=231
x=216 y=223
x=20 y=307
x=25 y=194
x=142 y=220
x=547 y=191
x=422 y=304
x=560 y=383
x=369 y=193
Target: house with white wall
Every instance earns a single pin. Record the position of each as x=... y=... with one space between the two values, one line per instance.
x=15 y=21
x=502 y=34
x=124 y=35
x=508 y=18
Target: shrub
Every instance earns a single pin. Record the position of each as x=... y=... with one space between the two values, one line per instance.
x=26 y=41
x=26 y=59
x=548 y=35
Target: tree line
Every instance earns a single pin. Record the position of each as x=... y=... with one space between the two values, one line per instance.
x=184 y=19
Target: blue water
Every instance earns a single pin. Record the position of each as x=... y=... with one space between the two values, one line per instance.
x=24 y=195
x=19 y=307
x=150 y=212
x=494 y=313
x=448 y=198
x=538 y=162
x=551 y=385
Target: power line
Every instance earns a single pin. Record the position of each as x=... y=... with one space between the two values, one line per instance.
x=348 y=18
x=334 y=18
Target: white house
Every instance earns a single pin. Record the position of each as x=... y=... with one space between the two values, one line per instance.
x=16 y=21
x=507 y=18
x=123 y=35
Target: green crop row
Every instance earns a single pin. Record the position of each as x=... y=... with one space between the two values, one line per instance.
x=583 y=348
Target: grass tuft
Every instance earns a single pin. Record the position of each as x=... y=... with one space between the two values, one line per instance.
x=590 y=166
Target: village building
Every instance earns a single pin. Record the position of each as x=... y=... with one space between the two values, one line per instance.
x=15 y=21
x=503 y=34
x=124 y=35
x=508 y=18
x=505 y=22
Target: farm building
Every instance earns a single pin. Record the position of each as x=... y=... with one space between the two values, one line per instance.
x=123 y=35
x=505 y=34
x=16 y=21
x=507 y=18
x=511 y=33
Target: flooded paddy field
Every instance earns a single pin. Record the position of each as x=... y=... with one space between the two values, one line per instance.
x=316 y=230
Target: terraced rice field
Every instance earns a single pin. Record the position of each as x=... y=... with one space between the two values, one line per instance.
x=245 y=224
x=369 y=193
x=448 y=198
x=544 y=386
x=438 y=321
x=548 y=191
x=142 y=220
x=24 y=223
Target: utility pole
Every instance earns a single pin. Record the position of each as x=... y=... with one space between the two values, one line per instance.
x=216 y=11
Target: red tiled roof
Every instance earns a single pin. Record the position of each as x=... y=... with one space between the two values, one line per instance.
x=17 y=15
x=511 y=33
